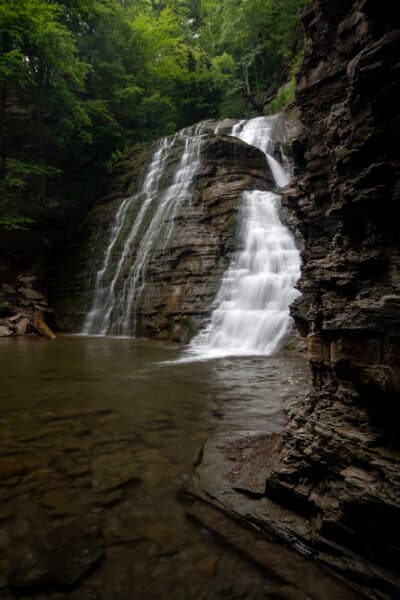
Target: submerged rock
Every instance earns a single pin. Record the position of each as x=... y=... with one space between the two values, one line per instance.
x=58 y=559
x=113 y=471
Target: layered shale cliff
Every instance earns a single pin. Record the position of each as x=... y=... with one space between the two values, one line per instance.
x=330 y=486
x=342 y=453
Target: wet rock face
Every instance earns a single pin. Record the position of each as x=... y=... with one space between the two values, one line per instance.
x=342 y=453
x=182 y=278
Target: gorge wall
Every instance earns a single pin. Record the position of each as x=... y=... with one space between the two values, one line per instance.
x=330 y=485
x=342 y=453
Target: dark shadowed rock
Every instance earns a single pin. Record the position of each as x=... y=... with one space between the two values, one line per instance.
x=21 y=303
x=333 y=488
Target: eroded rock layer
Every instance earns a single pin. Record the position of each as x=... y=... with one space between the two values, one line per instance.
x=341 y=460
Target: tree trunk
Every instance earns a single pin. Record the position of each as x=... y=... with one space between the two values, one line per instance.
x=257 y=101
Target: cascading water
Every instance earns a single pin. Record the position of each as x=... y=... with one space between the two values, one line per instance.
x=119 y=283
x=263 y=133
x=162 y=223
x=105 y=300
x=251 y=311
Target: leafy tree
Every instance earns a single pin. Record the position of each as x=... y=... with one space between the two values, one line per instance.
x=259 y=37
x=39 y=73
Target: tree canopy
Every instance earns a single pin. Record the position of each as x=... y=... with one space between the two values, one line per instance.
x=80 y=80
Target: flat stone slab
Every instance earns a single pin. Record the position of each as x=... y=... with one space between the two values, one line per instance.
x=231 y=476
x=254 y=458
x=295 y=578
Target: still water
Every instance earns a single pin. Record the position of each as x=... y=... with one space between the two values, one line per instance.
x=106 y=431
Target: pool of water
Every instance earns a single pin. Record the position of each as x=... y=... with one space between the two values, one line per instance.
x=98 y=441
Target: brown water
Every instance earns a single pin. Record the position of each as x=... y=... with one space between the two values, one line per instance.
x=98 y=439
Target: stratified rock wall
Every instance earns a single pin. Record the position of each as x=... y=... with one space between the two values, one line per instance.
x=341 y=463
x=182 y=275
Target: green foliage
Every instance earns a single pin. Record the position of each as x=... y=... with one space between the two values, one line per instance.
x=80 y=80
x=19 y=173
x=258 y=39
x=18 y=177
x=13 y=221
x=284 y=97
x=4 y=309
x=286 y=94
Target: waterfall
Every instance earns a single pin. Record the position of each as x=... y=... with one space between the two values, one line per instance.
x=120 y=281
x=105 y=299
x=281 y=176
x=251 y=312
x=162 y=223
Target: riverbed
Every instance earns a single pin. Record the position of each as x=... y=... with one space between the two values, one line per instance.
x=98 y=440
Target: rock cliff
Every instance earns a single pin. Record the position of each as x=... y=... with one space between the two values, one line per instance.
x=333 y=479
x=342 y=453
x=181 y=278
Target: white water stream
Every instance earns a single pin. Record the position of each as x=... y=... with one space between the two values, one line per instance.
x=105 y=299
x=251 y=312
x=120 y=281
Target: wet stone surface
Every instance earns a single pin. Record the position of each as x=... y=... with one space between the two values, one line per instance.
x=98 y=439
